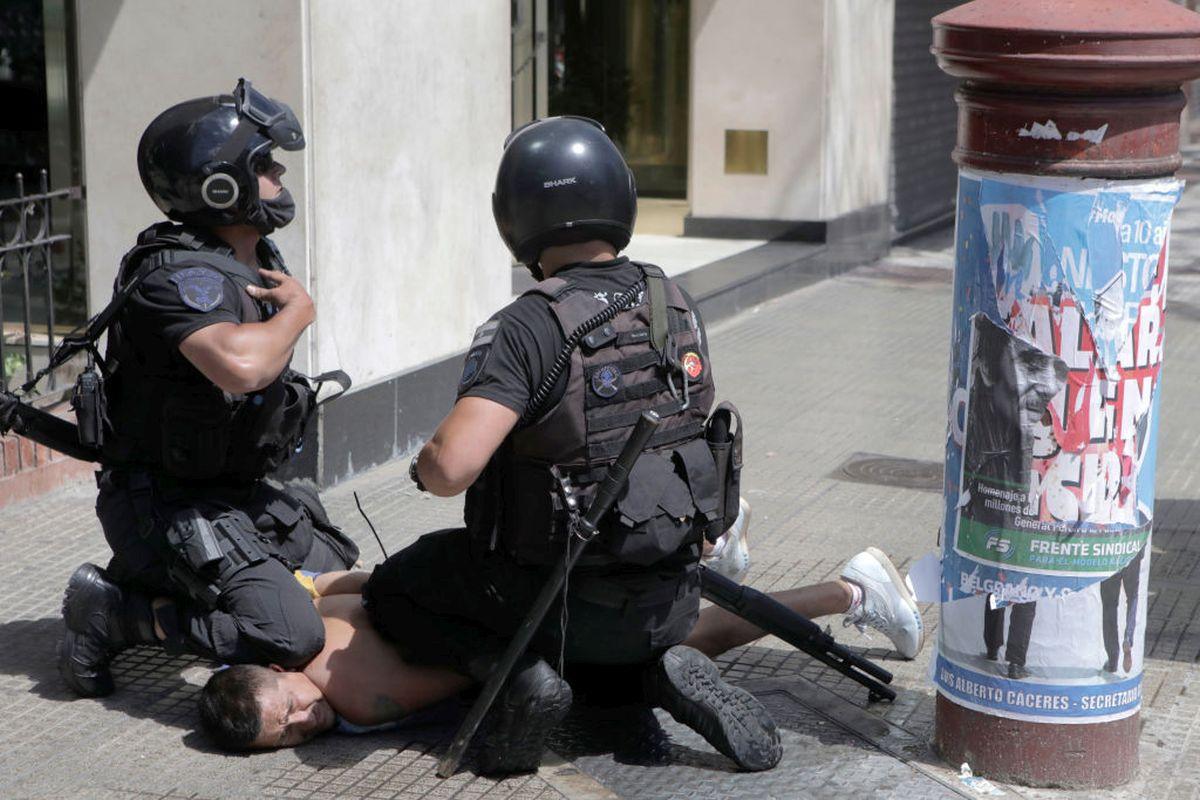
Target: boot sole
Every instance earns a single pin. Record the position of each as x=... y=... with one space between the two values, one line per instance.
x=730 y=719
x=901 y=587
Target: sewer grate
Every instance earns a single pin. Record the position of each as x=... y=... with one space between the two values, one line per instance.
x=903 y=473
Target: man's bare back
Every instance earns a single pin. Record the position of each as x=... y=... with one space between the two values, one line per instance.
x=362 y=676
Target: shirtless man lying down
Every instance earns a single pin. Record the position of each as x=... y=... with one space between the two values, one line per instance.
x=360 y=678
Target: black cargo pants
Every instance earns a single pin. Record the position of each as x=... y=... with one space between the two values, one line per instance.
x=245 y=607
x=442 y=604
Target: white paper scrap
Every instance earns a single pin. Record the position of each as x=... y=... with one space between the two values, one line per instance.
x=925 y=578
x=978 y=785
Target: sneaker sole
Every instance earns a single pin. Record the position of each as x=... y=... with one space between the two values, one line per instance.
x=742 y=728
x=901 y=587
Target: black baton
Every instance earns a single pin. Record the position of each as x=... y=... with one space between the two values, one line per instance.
x=610 y=490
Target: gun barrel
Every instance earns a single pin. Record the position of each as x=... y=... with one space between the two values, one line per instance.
x=795 y=629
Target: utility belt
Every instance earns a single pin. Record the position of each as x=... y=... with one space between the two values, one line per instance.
x=205 y=533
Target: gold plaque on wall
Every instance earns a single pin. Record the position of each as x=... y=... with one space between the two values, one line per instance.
x=745 y=152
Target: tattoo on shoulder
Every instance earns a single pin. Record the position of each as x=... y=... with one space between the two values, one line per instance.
x=385 y=708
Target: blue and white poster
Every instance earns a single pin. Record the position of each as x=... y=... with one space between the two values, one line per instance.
x=1055 y=384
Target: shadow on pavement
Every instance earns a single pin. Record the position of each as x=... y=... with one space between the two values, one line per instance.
x=149 y=682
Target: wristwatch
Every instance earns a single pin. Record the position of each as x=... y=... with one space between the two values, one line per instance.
x=412 y=473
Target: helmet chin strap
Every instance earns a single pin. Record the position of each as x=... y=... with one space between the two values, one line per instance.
x=535 y=269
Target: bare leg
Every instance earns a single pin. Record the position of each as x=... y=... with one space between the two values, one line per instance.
x=718 y=630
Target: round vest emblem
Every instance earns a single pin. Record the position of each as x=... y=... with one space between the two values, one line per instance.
x=606 y=381
x=692 y=365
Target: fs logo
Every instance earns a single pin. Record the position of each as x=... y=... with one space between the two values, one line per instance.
x=1001 y=546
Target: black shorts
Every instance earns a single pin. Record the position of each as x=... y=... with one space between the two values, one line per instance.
x=441 y=605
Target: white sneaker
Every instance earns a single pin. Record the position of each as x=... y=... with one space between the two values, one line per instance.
x=888 y=604
x=730 y=554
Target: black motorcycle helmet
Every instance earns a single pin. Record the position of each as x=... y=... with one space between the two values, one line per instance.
x=199 y=160
x=562 y=181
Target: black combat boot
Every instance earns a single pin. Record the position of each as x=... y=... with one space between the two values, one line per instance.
x=531 y=704
x=688 y=686
x=102 y=620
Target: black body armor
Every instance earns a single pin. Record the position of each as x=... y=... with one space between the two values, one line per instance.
x=164 y=415
x=616 y=373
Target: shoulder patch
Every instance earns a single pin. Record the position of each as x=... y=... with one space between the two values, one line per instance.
x=485 y=333
x=200 y=288
x=473 y=366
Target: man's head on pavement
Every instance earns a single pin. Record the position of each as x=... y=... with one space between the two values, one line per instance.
x=562 y=181
x=248 y=707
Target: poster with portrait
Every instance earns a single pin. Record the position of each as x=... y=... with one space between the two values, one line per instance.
x=1055 y=381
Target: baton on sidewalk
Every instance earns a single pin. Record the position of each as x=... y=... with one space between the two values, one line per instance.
x=795 y=629
x=610 y=489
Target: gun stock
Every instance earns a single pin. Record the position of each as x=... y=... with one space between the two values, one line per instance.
x=46 y=429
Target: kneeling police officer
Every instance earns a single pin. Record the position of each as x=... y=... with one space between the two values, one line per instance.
x=551 y=387
x=198 y=405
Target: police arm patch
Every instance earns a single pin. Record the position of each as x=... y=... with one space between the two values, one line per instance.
x=473 y=366
x=200 y=288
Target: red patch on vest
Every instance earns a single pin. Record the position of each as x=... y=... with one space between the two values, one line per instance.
x=692 y=365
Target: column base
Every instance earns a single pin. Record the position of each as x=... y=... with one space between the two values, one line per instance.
x=1090 y=756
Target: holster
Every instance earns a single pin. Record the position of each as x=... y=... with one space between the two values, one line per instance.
x=723 y=433
x=207 y=553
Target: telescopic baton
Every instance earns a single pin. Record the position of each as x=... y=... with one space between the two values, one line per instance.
x=610 y=490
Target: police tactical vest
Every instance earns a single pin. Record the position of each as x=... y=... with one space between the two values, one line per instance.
x=164 y=415
x=615 y=375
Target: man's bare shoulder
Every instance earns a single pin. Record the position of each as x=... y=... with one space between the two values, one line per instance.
x=346 y=607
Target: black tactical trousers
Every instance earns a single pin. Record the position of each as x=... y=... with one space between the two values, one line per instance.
x=443 y=605
x=261 y=614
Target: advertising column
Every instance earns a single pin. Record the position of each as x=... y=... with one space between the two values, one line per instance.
x=1056 y=375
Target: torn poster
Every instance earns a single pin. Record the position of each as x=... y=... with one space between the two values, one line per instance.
x=1055 y=381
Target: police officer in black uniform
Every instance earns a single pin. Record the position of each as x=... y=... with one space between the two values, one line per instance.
x=558 y=378
x=199 y=405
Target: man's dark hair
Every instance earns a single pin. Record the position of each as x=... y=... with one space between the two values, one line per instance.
x=229 y=709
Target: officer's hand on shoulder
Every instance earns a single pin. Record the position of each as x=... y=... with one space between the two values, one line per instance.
x=284 y=292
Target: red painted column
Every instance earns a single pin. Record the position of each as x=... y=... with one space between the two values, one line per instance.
x=1055 y=89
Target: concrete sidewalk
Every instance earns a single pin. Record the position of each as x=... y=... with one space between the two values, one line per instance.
x=852 y=365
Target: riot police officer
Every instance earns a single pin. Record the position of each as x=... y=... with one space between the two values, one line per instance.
x=557 y=379
x=199 y=404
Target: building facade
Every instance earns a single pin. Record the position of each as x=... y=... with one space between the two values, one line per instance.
x=758 y=119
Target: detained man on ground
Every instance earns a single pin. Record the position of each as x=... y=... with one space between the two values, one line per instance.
x=359 y=680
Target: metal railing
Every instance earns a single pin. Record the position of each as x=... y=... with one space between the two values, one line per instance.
x=26 y=243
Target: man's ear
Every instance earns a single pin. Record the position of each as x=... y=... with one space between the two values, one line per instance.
x=276 y=668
